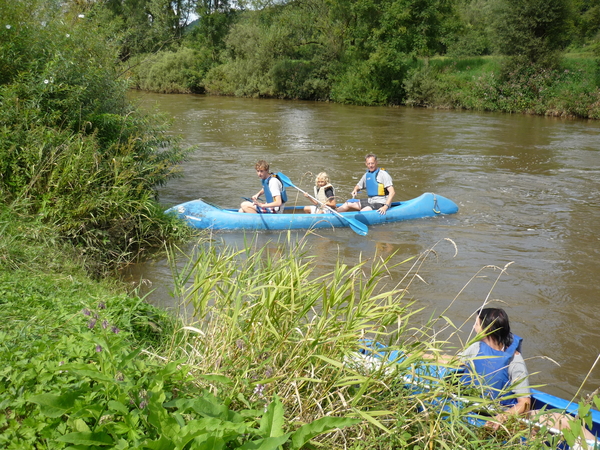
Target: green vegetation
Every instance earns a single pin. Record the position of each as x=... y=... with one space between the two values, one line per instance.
x=73 y=153
x=268 y=362
x=374 y=52
x=480 y=84
x=269 y=359
x=382 y=52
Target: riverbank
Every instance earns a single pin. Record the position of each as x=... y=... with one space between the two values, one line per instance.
x=88 y=365
x=483 y=83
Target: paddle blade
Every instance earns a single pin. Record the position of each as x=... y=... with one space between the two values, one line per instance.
x=285 y=180
x=357 y=227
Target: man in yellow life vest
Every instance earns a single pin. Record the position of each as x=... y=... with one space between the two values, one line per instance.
x=379 y=186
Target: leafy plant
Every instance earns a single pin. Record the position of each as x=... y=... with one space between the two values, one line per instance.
x=73 y=151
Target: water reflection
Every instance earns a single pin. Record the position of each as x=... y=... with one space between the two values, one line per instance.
x=528 y=189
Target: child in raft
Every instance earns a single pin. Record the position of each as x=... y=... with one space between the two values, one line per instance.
x=324 y=193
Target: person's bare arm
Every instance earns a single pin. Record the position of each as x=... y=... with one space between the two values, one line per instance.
x=521 y=407
x=390 y=198
x=275 y=203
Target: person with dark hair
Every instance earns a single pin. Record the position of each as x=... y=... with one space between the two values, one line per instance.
x=495 y=364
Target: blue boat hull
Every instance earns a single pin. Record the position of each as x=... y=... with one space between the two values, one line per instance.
x=200 y=214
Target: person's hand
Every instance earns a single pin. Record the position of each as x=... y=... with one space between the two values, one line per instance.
x=384 y=209
x=495 y=424
x=306 y=195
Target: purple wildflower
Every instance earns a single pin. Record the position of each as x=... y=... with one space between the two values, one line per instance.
x=259 y=389
x=98 y=348
x=105 y=324
x=101 y=305
x=92 y=324
x=85 y=312
x=143 y=404
x=115 y=330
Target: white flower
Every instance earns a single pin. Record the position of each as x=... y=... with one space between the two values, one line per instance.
x=81 y=16
x=68 y=35
x=44 y=23
x=8 y=27
x=46 y=81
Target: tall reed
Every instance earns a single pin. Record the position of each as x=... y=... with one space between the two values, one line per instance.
x=261 y=323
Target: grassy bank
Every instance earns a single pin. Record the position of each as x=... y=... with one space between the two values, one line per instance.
x=484 y=84
x=264 y=363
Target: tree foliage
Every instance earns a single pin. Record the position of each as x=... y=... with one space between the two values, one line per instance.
x=147 y=25
x=532 y=30
x=357 y=51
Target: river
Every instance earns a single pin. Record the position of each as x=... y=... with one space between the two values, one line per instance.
x=528 y=189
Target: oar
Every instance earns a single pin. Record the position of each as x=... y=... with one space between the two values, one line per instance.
x=357 y=227
x=252 y=201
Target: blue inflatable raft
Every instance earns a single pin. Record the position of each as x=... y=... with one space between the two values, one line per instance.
x=201 y=214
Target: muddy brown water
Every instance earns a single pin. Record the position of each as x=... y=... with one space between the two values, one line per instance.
x=528 y=189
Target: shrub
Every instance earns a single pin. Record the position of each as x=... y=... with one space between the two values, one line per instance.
x=300 y=80
x=72 y=150
x=377 y=81
x=532 y=30
x=181 y=71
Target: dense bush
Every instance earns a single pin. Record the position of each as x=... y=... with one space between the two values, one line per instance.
x=72 y=150
x=299 y=79
x=532 y=31
x=484 y=84
x=180 y=71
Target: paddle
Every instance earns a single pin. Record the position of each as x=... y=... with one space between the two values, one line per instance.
x=250 y=200
x=357 y=227
x=258 y=210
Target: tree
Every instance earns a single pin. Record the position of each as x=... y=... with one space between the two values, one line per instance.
x=215 y=18
x=147 y=26
x=533 y=30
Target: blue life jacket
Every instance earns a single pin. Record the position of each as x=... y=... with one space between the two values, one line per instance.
x=492 y=368
x=268 y=194
x=373 y=187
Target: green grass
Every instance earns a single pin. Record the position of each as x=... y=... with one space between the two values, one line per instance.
x=487 y=84
x=268 y=358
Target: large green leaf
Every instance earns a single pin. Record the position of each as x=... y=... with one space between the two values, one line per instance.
x=53 y=405
x=319 y=426
x=87 y=438
x=270 y=443
x=271 y=423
